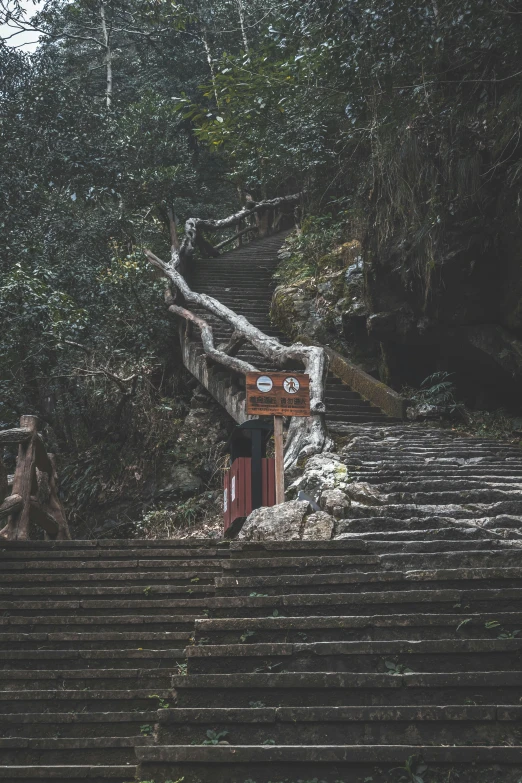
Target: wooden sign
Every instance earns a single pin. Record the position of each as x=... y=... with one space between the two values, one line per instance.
x=277 y=394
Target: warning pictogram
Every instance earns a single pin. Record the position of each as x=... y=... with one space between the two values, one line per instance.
x=291 y=385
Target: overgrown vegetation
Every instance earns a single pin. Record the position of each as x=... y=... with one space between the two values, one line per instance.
x=400 y=121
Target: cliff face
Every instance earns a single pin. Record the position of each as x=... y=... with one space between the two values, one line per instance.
x=466 y=318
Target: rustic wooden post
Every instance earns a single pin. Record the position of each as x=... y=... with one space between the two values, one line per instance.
x=24 y=480
x=240 y=235
x=279 y=460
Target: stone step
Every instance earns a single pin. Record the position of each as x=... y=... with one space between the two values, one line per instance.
x=465 y=532
x=355 y=581
x=83 y=700
x=350 y=563
x=432 y=655
x=356 y=628
x=145 y=606
x=78 y=679
x=448 y=484
x=84 y=660
x=274 y=565
x=91 y=641
x=33 y=623
x=182 y=545
x=386 y=602
x=367 y=522
x=106 y=591
x=263 y=763
x=449 y=497
x=178 y=559
x=303 y=689
x=396 y=725
x=185 y=569
x=84 y=724
x=98 y=773
x=131 y=579
x=56 y=751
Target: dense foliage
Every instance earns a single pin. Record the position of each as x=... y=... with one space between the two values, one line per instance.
x=401 y=120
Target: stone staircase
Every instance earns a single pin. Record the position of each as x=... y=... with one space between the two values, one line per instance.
x=397 y=644
x=242 y=279
x=90 y=635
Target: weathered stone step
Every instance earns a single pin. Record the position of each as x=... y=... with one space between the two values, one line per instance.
x=293 y=548
x=428 y=725
x=185 y=568
x=432 y=655
x=374 y=602
x=78 y=679
x=171 y=544
x=303 y=689
x=273 y=565
x=463 y=532
x=482 y=477
x=263 y=763
x=130 y=591
x=447 y=497
x=98 y=773
x=179 y=559
x=436 y=521
x=50 y=751
x=357 y=581
x=146 y=606
x=96 y=624
x=349 y=563
x=449 y=484
x=355 y=628
x=83 y=700
x=73 y=724
x=140 y=580
x=507 y=509
x=92 y=659
x=91 y=641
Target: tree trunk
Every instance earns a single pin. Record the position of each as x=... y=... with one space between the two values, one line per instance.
x=108 y=55
x=241 y=9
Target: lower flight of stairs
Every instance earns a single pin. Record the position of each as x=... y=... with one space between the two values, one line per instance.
x=338 y=661
x=392 y=654
x=397 y=645
x=90 y=635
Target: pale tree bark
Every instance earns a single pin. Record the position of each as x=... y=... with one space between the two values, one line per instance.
x=241 y=10
x=108 y=54
x=306 y=436
x=204 y=40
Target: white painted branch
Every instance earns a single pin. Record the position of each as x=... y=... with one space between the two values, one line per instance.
x=207 y=338
x=306 y=435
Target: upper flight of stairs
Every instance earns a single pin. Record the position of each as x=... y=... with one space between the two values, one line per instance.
x=243 y=281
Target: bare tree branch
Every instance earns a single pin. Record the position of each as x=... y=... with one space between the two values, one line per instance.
x=306 y=435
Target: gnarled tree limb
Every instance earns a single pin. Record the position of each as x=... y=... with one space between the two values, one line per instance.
x=207 y=338
x=306 y=435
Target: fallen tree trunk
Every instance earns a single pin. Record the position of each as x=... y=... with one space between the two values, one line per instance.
x=306 y=435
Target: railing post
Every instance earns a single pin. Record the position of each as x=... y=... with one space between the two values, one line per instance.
x=24 y=479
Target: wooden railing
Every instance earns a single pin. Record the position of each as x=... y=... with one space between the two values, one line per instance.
x=254 y=221
x=34 y=493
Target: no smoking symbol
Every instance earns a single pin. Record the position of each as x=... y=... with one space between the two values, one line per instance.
x=291 y=385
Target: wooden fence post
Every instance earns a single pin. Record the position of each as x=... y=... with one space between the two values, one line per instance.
x=24 y=482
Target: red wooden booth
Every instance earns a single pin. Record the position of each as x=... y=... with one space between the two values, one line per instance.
x=250 y=481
